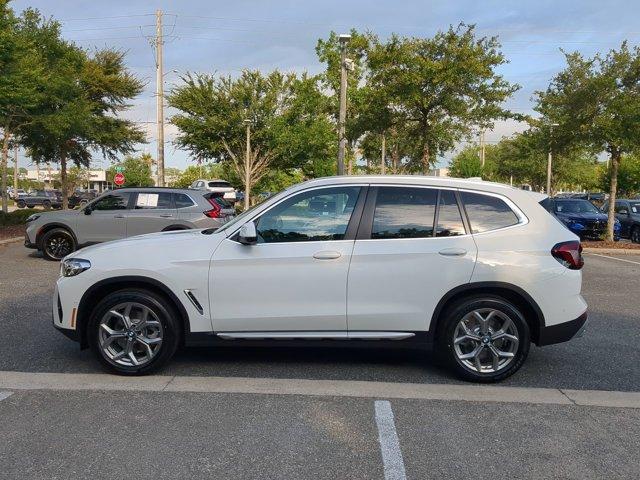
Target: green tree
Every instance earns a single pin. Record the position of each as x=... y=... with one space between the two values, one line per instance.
x=628 y=177
x=445 y=86
x=286 y=130
x=467 y=163
x=137 y=172
x=84 y=96
x=596 y=102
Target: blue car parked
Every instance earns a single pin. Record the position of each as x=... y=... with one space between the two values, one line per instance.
x=581 y=217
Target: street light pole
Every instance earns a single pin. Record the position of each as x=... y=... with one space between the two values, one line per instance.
x=247 y=166
x=550 y=158
x=344 y=39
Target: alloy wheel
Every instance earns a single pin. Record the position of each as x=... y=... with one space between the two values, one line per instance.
x=130 y=335
x=59 y=246
x=485 y=340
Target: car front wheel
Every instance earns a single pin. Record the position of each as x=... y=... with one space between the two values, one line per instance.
x=484 y=338
x=134 y=332
x=57 y=244
x=635 y=235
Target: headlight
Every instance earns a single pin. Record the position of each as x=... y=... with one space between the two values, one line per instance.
x=33 y=217
x=74 y=266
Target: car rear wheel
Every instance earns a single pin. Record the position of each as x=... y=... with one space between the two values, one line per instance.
x=21 y=204
x=484 y=338
x=635 y=235
x=57 y=244
x=134 y=332
x=46 y=204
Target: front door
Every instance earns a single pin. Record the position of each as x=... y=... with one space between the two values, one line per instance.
x=106 y=220
x=295 y=277
x=408 y=254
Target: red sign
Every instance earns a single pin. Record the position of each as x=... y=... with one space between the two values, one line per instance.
x=118 y=179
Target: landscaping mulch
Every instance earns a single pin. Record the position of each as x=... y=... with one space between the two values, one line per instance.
x=11 y=231
x=626 y=245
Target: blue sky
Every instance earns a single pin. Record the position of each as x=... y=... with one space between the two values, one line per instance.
x=225 y=37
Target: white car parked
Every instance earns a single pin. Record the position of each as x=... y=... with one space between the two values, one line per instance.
x=479 y=270
x=216 y=186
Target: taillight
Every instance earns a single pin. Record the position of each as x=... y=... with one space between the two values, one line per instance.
x=215 y=211
x=569 y=254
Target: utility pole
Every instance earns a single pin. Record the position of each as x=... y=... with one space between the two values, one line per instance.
x=160 y=99
x=344 y=39
x=482 y=148
x=384 y=155
x=247 y=166
x=15 y=171
x=550 y=158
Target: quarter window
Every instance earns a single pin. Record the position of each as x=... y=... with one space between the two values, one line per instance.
x=182 y=200
x=449 y=219
x=316 y=215
x=404 y=212
x=113 y=201
x=487 y=213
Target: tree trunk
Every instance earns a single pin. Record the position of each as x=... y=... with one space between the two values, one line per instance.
x=425 y=159
x=615 y=164
x=395 y=160
x=3 y=167
x=63 y=181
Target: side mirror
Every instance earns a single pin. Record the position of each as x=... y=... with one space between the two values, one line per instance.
x=248 y=234
x=87 y=210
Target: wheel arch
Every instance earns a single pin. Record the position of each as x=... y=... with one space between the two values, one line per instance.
x=104 y=287
x=50 y=226
x=521 y=299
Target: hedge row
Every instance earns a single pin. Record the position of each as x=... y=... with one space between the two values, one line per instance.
x=16 y=217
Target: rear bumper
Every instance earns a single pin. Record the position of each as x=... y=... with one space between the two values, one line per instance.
x=563 y=332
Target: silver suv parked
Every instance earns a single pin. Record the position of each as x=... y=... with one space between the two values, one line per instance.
x=124 y=213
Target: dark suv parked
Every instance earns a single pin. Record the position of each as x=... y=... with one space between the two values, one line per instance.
x=628 y=214
x=46 y=198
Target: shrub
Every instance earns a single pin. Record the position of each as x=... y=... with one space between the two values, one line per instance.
x=16 y=217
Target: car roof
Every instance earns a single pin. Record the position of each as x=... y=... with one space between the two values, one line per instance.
x=153 y=189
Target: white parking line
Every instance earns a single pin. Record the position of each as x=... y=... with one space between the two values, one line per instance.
x=389 y=443
x=5 y=395
x=614 y=258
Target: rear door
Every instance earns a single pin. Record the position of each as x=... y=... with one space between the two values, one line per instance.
x=413 y=246
x=152 y=211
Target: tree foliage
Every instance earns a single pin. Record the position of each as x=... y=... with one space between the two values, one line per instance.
x=137 y=171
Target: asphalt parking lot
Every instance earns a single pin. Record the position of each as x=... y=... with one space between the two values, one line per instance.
x=55 y=428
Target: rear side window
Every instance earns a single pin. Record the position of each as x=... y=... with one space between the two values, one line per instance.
x=404 y=212
x=449 y=218
x=182 y=200
x=487 y=213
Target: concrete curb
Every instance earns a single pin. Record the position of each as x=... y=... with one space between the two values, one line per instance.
x=613 y=251
x=330 y=388
x=11 y=240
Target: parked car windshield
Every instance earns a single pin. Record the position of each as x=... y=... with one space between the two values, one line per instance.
x=575 y=206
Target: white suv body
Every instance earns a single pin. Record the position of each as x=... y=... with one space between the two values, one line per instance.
x=216 y=185
x=417 y=261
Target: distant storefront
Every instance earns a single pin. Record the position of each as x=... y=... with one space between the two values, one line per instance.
x=97 y=178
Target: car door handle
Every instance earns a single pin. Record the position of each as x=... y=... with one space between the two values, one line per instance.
x=118 y=216
x=327 y=255
x=453 y=252
x=166 y=215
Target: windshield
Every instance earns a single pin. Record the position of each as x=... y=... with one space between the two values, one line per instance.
x=635 y=207
x=575 y=206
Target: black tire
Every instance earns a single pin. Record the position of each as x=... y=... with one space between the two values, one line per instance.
x=456 y=312
x=46 y=204
x=21 y=204
x=635 y=234
x=57 y=243
x=166 y=315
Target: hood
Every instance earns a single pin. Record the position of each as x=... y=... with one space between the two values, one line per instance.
x=170 y=245
x=582 y=216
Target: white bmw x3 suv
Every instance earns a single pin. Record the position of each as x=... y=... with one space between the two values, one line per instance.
x=477 y=270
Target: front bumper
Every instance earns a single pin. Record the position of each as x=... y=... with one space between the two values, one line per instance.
x=563 y=332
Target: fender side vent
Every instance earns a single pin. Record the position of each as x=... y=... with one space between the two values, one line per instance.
x=195 y=301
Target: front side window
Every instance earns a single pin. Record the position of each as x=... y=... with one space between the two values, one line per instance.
x=621 y=208
x=149 y=201
x=449 y=218
x=112 y=201
x=487 y=213
x=404 y=212
x=316 y=215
